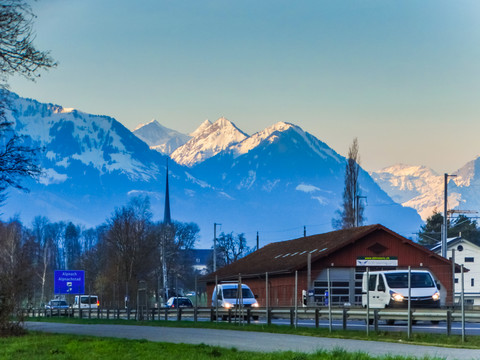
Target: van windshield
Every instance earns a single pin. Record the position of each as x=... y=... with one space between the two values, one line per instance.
x=418 y=280
x=232 y=293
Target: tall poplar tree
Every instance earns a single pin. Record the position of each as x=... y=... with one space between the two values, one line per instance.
x=351 y=214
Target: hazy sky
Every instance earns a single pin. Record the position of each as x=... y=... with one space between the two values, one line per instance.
x=402 y=76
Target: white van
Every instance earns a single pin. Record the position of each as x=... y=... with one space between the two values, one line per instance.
x=390 y=289
x=226 y=296
x=86 y=302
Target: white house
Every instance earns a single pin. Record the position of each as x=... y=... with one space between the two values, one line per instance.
x=467 y=254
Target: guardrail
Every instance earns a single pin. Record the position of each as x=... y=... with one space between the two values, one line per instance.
x=246 y=315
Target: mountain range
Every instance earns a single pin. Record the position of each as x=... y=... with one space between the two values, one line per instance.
x=275 y=181
x=414 y=186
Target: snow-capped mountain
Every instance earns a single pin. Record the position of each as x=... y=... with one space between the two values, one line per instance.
x=207 y=141
x=160 y=138
x=275 y=181
x=422 y=188
x=297 y=178
x=91 y=164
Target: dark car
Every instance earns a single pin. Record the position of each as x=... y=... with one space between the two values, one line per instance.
x=182 y=302
x=57 y=305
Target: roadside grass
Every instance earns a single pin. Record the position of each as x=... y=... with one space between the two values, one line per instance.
x=39 y=346
x=417 y=338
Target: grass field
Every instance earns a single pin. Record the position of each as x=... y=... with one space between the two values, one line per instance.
x=39 y=346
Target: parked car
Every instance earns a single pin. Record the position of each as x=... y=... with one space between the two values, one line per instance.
x=182 y=302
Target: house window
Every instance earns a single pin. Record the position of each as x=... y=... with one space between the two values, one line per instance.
x=456 y=281
x=472 y=282
x=469 y=259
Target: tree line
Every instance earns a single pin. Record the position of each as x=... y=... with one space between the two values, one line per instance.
x=115 y=256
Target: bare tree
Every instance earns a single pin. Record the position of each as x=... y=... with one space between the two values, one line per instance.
x=15 y=268
x=351 y=214
x=18 y=55
x=231 y=247
x=130 y=246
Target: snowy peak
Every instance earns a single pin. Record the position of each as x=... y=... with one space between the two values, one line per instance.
x=160 y=138
x=466 y=173
x=418 y=187
x=207 y=123
x=209 y=141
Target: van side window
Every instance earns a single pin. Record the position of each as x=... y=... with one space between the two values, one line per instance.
x=372 y=282
x=381 y=283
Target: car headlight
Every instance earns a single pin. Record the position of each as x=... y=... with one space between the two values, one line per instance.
x=436 y=296
x=255 y=304
x=396 y=296
x=227 y=305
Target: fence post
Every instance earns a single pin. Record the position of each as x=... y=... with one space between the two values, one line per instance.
x=368 y=302
x=449 y=322
x=317 y=318
x=330 y=297
x=249 y=312
x=212 y=314
x=179 y=314
x=266 y=299
x=195 y=314
x=166 y=314
x=292 y=317
x=409 y=330
x=375 y=319
x=344 y=322
x=296 y=298
x=463 y=304
x=269 y=317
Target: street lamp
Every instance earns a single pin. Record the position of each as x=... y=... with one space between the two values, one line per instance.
x=445 y=224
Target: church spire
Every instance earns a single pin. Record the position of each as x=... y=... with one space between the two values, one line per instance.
x=166 y=218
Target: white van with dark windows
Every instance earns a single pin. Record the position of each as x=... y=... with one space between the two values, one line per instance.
x=390 y=289
x=227 y=296
x=86 y=302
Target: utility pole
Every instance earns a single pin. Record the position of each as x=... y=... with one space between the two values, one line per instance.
x=215 y=246
x=258 y=241
x=445 y=214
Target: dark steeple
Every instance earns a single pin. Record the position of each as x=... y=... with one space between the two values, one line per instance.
x=166 y=218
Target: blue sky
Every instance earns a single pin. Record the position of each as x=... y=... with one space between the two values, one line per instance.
x=402 y=76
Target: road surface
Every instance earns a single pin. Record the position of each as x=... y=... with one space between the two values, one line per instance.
x=253 y=341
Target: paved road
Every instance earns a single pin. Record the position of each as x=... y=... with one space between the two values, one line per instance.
x=253 y=341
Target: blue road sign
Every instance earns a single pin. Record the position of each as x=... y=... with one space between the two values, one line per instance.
x=69 y=282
